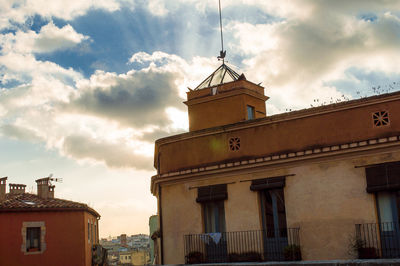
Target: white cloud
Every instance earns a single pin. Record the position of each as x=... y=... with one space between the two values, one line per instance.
x=49 y=39
x=157 y=7
x=21 y=10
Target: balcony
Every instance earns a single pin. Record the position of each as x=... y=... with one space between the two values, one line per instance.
x=377 y=240
x=244 y=246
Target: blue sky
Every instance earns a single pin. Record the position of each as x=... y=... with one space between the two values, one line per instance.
x=87 y=86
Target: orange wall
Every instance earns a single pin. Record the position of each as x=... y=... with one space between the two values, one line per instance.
x=285 y=133
x=228 y=106
x=66 y=239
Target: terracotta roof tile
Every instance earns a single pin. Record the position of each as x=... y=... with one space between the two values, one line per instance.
x=31 y=202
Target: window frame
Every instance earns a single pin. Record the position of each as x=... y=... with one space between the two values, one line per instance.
x=41 y=241
x=251 y=112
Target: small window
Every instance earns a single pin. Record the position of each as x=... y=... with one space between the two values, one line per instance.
x=234 y=144
x=250 y=112
x=91 y=231
x=95 y=233
x=380 y=118
x=32 y=239
x=88 y=229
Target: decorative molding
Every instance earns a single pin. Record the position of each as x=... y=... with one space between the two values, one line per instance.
x=278 y=158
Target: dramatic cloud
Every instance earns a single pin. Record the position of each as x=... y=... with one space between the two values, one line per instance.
x=137 y=98
x=296 y=58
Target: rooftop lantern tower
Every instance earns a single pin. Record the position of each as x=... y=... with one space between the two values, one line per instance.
x=224 y=97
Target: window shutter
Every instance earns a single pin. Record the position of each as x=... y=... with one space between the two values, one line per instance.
x=212 y=193
x=268 y=183
x=383 y=177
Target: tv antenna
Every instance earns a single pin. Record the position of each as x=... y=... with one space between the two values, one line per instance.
x=55 y=179
x=222 y=53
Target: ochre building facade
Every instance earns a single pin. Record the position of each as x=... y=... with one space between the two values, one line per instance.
x=303 y=185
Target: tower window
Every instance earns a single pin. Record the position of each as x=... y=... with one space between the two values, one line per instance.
x=250 y=112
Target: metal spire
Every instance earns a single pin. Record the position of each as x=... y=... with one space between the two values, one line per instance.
x=222 y=53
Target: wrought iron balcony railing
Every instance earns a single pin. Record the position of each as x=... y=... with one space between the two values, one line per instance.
x=245 y=246
x=381 y=240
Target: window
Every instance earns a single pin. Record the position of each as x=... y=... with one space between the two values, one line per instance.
x=212 y=200
x=33 y=236
x=88 y=231
x=214 y=216
x=380 y=118
x=384 y=181
x=95 y=233
x=91 y=231
x=32 y=239
x=272 y=205
x=274 y=212
x=250 y=112
x=234 y=144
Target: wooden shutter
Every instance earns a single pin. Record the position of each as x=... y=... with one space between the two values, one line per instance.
x=212 y=193
x=383 y=177
x=268 y=183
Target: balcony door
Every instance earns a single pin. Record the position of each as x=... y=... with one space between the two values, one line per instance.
x=384 y=181
x=388 y=210
x=212 y=200
x=274 y=223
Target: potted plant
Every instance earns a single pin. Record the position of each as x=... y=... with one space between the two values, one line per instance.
x=292 y=252
x=359 y=247
x=245 y=257
x=195 y=257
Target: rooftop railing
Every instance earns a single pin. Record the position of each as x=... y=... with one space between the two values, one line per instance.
x=244 y=246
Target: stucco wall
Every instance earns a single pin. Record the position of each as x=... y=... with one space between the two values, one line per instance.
x=181 y=215
x=325 y=198
x=284 y=135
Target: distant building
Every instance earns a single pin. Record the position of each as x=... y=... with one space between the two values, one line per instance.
x=313 y=184
x=154 y=238
x=141 y=257
x=125 y=258
x=123 y=240
x=134 y=252
x=43 y=230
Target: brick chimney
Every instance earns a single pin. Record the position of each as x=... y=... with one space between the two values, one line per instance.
x=17 y=188
x=44 y=188
x=3 y=188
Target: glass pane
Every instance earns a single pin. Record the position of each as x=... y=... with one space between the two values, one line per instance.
x=385 y=210
x=214 y=216
x=32 y=238
x=217 y=78
x=250 y=112
x=269 y=214
x=280 y=203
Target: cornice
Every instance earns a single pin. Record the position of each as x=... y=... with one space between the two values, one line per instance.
x=276 y=159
